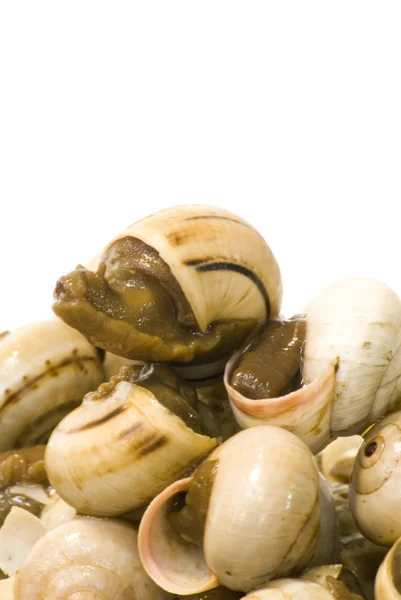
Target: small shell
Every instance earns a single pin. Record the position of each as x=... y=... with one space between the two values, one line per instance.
x=46 y=369
x=337 y=459
x=388 y=579
x=271 y=475
x=122 y=447
x=299 y=589
x=376 y=483
x=351 y=366
x=86 y=558
x=187 y=283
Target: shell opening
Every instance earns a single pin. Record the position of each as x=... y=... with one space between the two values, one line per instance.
x=177 y=566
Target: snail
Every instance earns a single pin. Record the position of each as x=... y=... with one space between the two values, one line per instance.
x=187 y=284
x=375 y=490
x=337 y=459
x=86 y=559
x=249 y=513
x=388 y=579
x=127 y=441
x=357 y=554
x=46 y=368
x=22 y=476
x=331 y=372
x=329 y=586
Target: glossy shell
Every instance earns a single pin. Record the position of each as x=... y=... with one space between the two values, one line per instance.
x=222 y=272
x=375 y=491
x=119 y=449
x=87 y=558
x=272 y=476
x=351 y=366
x=46 y=369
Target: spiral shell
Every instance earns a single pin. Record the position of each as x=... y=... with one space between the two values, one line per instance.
x=262 y=519
x=337 y=459
x=86 y=559
x=388 y=579
x=46 y=368
x=375 y=491
x=301 y=589
x=351 y=367
x=187 y=283
x=121 y=447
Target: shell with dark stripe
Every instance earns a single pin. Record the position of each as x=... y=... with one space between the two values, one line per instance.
x=217 y=278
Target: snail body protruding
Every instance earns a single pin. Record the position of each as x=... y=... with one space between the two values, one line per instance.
x=375 y=490
x=349 y=360
x=127 y=442
x=251 y=513
x=46 y=368
x=87 y=559
x=186 y=284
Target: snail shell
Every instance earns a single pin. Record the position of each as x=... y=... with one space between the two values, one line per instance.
x=303 y=589
x=388 y=578
x=351 y=367
x=46 y=368
x=375 y=490
x=122 y=447
x=337 y=459
x=262 y=519
x=86 y=559
x=187 y=283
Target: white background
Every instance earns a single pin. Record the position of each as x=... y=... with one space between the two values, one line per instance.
x=288 y=114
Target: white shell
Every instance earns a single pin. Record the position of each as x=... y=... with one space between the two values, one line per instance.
x=337 y=459
x=375 y=490
x=262 y=520
x=19 y=533
x=351 y=366
x=388 y=578
x=290 y=589
x=114 y=455
x=45 y=368
x=97 y=558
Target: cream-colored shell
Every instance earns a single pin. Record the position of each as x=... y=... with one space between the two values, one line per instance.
x=375 y=490
x=337 y=459
x=262 y=520
x=86 y=559
x=290 y=589
x=192 y=238
x=112 y=456
x=45 y=368
x=388 y=578
x=351 y=366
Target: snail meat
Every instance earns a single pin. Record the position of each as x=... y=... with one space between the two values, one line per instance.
x=186 y=284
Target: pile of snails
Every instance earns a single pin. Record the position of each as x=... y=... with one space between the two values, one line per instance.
x=169 y=434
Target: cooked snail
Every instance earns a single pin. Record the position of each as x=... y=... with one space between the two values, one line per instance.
x=375 y=491
x=348 y=349
x=86 y=559
x=46 y=369
x=250 y=513
x=186 y=284
x=388 y=579
x=337 y=459
x=303 y=589
x=127 y=442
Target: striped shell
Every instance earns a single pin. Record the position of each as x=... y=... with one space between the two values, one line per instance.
x=222 y=266
x=46 y=368
x=119 y=449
